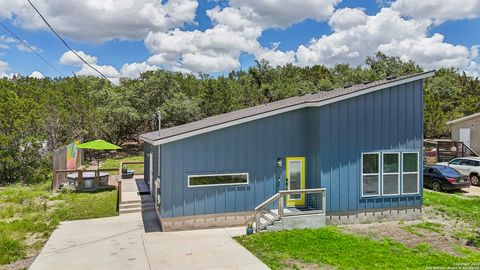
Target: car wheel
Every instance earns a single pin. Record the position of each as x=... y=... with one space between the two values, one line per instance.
x=437 y=187
x=474 y=180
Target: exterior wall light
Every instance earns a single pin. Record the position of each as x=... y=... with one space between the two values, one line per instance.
x=279 y=162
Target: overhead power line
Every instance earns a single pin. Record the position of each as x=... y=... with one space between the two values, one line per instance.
x=31 y=49
x=65 y=43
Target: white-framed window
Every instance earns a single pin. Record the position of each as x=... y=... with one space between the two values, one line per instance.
x=370 y=174
x=410 y=173
x=390 y=173
x=224 y=179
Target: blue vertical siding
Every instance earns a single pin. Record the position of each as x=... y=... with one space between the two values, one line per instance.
x=330 y=137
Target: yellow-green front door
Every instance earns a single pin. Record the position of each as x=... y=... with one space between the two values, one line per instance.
x=295 y=172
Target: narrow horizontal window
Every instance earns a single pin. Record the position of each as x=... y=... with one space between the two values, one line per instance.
x=391 y=174
x=410 y=173
x=217 y=179
x=370 y=174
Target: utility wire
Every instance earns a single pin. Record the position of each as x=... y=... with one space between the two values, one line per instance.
x=30 y=48
x=65 y=43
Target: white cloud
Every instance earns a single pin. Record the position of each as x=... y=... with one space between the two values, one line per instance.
x=101 y=20
x=347 y=18
x=5 y=43
x=352 y=45
x=283 y=13
x=474 y=51
x=198 y=62
x=216 y=50
x=23 y=48
x=438 y=10
x=357 y=35
x=37 y=75
x=133 y=70
x=236 y=30
x=130 y=70
x=430 y=52
x=69 y=58
x=3 y=68
x=277 y=57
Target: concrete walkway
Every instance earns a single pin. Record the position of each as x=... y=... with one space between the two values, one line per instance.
x=133 y=241
x=121 y=243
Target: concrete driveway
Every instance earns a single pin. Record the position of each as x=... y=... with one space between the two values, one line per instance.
x=121 y=243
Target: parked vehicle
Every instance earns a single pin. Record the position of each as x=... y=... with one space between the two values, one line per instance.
x=440 y=177
x=468 y=166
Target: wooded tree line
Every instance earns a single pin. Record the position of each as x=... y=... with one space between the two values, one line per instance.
x=39 y=115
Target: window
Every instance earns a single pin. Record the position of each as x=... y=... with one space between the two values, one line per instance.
x=448 y=171
x=469 y=162
x=391 y=174
x=217 y=179
x=370 y=174
x=456 y=162
x=410 y=173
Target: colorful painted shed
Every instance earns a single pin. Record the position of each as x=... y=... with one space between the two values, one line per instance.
x=361 y=143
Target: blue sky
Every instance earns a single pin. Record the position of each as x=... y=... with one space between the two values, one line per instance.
x=218 y=36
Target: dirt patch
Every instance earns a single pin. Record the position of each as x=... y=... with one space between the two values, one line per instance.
x=295 y=264
x=442 y=237
x=20 y=264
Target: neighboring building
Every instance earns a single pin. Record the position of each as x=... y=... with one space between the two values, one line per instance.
x=466 y=130
x=363 y=143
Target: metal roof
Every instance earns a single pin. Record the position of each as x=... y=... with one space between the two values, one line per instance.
x=261 y=111
x=465 y=118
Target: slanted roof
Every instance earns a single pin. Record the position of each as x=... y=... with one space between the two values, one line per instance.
x=261 y=111
x=465 y=118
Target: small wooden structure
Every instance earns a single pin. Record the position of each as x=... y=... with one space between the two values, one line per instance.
x=59 y=179
x=67 y=157
x=443 y=150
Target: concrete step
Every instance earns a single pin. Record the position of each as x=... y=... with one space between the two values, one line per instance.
x=135 y=205
x=137 y=209
x=131 y=201
x=130 y=205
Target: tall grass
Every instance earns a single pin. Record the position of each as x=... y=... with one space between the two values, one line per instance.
x=29 y=214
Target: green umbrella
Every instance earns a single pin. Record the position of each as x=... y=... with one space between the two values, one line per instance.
x=98 y=145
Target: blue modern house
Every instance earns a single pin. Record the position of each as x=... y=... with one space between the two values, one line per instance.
x=351 y=154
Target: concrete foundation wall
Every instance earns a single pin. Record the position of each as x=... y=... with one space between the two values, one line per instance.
x=378 y=215
x=206 y=221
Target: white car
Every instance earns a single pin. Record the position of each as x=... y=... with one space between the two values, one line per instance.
x=466 y=165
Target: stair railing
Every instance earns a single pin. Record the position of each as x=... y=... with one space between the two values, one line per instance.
x=311 y=201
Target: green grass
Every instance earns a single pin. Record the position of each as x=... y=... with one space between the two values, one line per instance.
x=331 y=247
x=29 y=214
x=429 y=226
x=463 y=208
x=114 y=163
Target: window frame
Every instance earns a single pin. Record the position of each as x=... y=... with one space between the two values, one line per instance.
x=217 y=174
x=397 y=173
x=379 y=154
x=456 y=159
x=417 y=172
